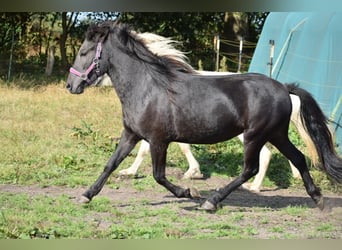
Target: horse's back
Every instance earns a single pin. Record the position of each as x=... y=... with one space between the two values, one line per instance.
x=217 y=108
x=253 y=93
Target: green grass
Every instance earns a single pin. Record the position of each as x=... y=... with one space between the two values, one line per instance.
x=56 y=217
x=51 y=138
x=295 y=210
x=23 y=216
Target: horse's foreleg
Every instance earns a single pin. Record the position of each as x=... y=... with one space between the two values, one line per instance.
x=133 y=169
x=158 y=155
x=127 y=143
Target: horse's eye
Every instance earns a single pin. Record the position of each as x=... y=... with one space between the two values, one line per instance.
x=83 y=52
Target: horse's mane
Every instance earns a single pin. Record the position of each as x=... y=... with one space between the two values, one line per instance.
x=157 y=52
x=163 y=46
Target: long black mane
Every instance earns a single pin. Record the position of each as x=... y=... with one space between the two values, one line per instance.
x=163 y=68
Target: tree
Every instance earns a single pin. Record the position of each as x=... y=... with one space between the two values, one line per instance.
x=36 y=33
x=196 y=31
x=238 y=26
x=50 y=61
x=68 y=22
x=12 y=34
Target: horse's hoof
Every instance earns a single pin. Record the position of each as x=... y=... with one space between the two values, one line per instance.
x=83 y=200
x=250 y=187
x=320 y=203
x=193 y=175
x=125 y=176
x=194 y=193
x=196 y=176
x=208 y=206
x=125 y=173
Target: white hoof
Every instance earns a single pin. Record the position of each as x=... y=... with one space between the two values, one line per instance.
x=194 y=174
x=126 y=172
x=83 y=200
x=250 y=187
x=194 y=193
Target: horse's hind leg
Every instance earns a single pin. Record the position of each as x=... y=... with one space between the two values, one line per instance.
x=158 y=155
x=298 y=160
x=251 y=167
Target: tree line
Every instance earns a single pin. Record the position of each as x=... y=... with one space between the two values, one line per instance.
x=46 y=43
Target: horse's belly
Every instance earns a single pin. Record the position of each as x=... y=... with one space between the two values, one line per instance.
x=207 y=131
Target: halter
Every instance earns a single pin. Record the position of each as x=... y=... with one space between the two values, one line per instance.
x=94 y=64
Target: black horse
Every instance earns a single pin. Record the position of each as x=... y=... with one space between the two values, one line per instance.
x=163 y=100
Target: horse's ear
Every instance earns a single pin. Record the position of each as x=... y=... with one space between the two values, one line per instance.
x=98 y=32
x=117 y=21
x=104 y=29
x=104 y=34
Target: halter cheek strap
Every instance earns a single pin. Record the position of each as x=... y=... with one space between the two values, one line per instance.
x=94 y=64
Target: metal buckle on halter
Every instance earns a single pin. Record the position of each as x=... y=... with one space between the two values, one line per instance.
x=96 y=62
x=84 y=77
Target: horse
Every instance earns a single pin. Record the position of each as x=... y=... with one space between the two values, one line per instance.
x=160 y=45
x=164 y=100
x=194 y=171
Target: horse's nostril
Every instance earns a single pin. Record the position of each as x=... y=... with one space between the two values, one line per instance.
x=68 y=86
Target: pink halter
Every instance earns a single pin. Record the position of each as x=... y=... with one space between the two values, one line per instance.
x=94 y=64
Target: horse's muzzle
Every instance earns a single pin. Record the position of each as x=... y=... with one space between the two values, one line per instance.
x=78 y=90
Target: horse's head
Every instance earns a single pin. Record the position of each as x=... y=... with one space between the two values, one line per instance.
x=90 y=63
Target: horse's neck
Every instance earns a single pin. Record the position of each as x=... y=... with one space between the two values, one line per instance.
x=128 y=77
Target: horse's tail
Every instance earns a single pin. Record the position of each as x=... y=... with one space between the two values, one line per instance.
x=315 y=124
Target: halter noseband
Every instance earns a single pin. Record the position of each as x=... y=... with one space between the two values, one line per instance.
x=94 y=64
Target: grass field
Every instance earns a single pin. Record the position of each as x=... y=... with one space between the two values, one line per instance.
x=50 y=138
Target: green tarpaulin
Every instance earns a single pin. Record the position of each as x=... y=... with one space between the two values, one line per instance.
x=307 y=51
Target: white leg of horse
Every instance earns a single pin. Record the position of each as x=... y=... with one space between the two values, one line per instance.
x=194 y=171
x=294 y=171
x=143 y=151
x=264 y=160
